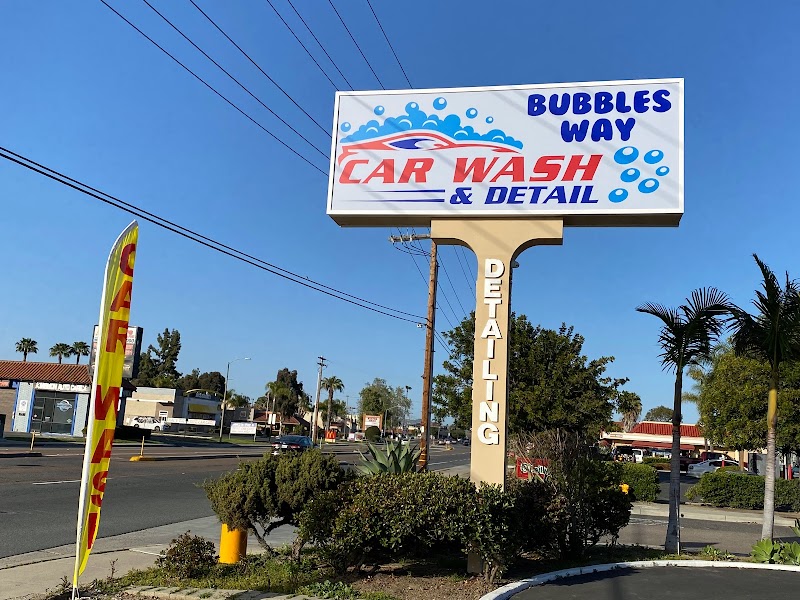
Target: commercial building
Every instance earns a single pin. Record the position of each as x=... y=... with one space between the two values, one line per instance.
x=43 y=397
x=657 y=436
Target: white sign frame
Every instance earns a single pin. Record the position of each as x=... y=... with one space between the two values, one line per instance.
x=605 y=216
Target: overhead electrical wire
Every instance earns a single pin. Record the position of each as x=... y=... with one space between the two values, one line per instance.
x=299 y=41
x=205 y=240
x=386 y=37
x=240 y=84
x=213 y=89
x=257 y=66
x=364 y=56
x=316 y=39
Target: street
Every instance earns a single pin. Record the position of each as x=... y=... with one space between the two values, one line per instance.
x=39 y=496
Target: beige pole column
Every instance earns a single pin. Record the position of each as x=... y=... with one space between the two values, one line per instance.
x=496 y=243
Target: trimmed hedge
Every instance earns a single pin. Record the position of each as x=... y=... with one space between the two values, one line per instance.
x=643 y=481
x=737 y=490
x=391 y=517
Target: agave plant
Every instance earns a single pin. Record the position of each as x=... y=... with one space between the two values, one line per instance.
x=766 y=551
x=790 y=553
x=396 y=459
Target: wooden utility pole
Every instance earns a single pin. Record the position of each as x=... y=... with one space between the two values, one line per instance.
x=313 y=432
x=427 y=373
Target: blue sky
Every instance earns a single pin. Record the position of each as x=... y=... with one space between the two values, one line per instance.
x=85 y=94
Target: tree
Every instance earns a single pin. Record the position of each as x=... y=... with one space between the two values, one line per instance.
x=236 y=400
x=771 y=335
x=157 y=366
x=332 y=384
x=61 y=350
x=212 y=381
x=79 y=349
x=732 y=408
x=629 y=406
x=378 y=398
x=287 y=393
x=339 y=409
x=661 y=413
x=551 y=384
x=687 y=336
x=27 y=346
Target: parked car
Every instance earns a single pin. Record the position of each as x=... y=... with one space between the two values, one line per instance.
x=709 y=466
x=146 y=423
x=291 y=443
x=465 y=441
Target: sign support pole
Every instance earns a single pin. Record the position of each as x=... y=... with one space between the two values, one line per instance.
x=496 y=243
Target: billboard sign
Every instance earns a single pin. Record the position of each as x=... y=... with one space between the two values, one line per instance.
x=133 y=351
x=604 y=153
x=372 y=421
x=244 y=428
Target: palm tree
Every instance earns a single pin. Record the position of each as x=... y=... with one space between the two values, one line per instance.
x=27 y=346
x=629 y=406
x=686 y=338
x=332 y=384
x=80 y=349
x=61 y=350
x=278 y=392
x=771 y=335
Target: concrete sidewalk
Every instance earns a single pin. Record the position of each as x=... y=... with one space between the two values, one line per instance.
x=711 y=513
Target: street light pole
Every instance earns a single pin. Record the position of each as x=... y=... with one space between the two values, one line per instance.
x=225 y=395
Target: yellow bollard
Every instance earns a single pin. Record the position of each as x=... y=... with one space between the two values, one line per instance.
x=232 y=545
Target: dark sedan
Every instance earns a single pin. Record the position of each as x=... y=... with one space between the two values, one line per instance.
x=291 y=443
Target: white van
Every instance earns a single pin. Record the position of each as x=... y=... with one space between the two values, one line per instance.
x=639 y=454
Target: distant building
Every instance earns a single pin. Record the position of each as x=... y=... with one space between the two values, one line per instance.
x=198 y=412
x=657 y=436
x=45 y=397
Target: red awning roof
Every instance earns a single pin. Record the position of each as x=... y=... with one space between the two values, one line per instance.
x=660 y=445
x=659 y=428
x=45 y=372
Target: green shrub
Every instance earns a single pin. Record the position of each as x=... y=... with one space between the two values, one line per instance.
x=392 y=517
x=372 y=434
x=265 y=494
x=783 y=553
x=643 y=481
x=188 y=556
x=732 y=489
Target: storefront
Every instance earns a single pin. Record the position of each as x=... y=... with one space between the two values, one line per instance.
x=46 y=398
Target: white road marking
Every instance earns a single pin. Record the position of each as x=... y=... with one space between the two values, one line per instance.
x=56 y=482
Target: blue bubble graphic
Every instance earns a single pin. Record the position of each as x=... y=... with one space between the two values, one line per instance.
x=648 y=185
x=345 y=127
x=472 y=113
x=661 y=171
x=653 y=157
x=411 y=107
x=629 y=175
x=490 y=119
x=379 y=110
x=626 y=155
x=439 y=103
x=618 y=195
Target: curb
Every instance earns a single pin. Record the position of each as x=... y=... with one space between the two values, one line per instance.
x=174 y=593
x=509 y=590
x=19 y=454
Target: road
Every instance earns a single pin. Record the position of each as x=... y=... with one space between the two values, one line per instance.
x=39 y=496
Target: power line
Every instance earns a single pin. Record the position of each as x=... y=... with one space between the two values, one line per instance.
x=447 y=275
x=209 y=86
x=470 y=284
x=239 y=83
x=256 y=65
x=299 y=41
x=201 y=239
x=347 y=29
x=386 y=37
x=299 y=16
